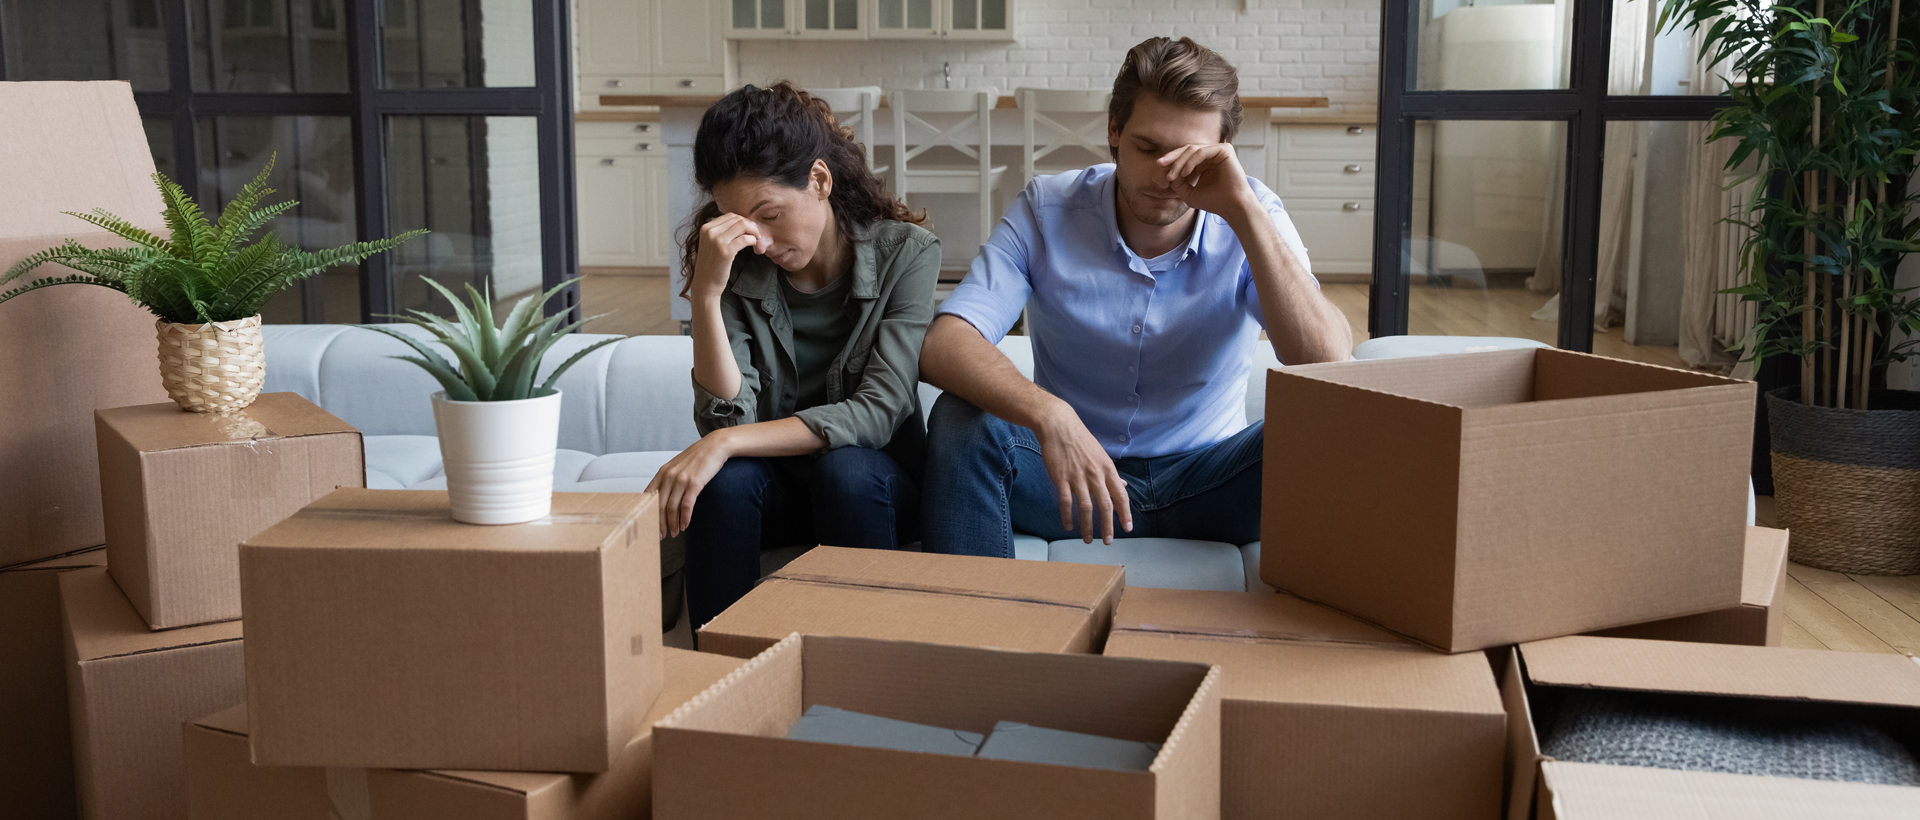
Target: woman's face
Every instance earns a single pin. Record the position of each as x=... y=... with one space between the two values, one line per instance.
x=790 y=222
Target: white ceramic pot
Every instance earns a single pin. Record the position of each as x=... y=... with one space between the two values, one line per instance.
x=498 y=457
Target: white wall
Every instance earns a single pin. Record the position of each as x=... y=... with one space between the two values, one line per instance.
x=1323 y=48
x=513 y=151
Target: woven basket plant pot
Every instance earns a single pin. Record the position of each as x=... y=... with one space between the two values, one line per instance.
x=1847 y=482
x=212 y=368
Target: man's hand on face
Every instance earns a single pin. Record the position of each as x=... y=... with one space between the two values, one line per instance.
x=1207 y=177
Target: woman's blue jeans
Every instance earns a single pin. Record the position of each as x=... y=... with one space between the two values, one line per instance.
x=847 y=497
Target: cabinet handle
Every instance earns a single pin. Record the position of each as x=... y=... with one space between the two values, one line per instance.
x=643 y=127
x=1356 y=130
x=616 y=83
x=645 y=146
x=607 y=161
x=1349 y=206
x=686 y=83
x=1352 y=169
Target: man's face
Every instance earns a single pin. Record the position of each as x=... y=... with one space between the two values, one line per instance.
x=1154 y=129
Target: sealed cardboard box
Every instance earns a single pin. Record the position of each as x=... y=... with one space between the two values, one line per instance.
x=129 y=689
x=953 y=599
x=223 y=783
x=1324 y=716
x=183 y=489
x=724 y=754
x=36 y=740
x=1845 y=715
x=1526 y=493
x=66 y=147
x=1759 y=620
x=381 y=633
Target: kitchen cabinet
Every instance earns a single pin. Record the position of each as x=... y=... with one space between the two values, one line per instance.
x=1324 y=176
x=649 y=47
x=621 y=178
x=949 y=19
x=796 y=20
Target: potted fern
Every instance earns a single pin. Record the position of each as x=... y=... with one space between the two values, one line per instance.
x=203 y=283
x=498 y=427
x=1825 y=96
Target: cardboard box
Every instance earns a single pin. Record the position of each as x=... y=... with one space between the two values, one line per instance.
x=952 y=599
x=223 y=783
x=1528 y=493
x=66 y=147
x=36 y=740
x=1890 y=684
x=724 y=754
x=1759 y=620
x=1324 y=716
x=129 y=689
x=383 y=634
x=183 y=489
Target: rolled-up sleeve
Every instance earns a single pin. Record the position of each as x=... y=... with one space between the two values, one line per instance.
x=995 y=290
x=869 y=415
x=1289 y=236
x=710 y=412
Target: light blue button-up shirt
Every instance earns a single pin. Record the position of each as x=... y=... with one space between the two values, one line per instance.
x=1153 y=354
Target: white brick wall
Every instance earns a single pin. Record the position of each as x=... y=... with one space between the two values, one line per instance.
x=1325 y=48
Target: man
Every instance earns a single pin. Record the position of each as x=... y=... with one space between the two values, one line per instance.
x=1146 y=282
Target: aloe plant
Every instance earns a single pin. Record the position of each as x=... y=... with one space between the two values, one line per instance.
x=495 y=364
x=202 y=272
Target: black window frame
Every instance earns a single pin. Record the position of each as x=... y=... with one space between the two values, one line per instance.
x=1586 y=108
x=368 y=105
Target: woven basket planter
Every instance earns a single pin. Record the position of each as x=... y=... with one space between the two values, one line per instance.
x=212 y=368
x=1847 y=482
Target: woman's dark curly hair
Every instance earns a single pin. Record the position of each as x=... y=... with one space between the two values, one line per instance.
x=776 y=133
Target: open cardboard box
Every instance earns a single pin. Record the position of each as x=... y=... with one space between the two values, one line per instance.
x=1885 y=687
x=73 y=348
x=223 y=783
x=1505 y=496
x=381 y=633
x=954 y=599
x=184 y=489
x=1759 y=620
x=1324 y=716
x=725 y=755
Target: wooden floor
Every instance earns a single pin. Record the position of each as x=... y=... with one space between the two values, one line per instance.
x=1825 y=610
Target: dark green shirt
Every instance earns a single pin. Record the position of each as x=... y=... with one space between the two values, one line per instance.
x=820 y=329
x=873 y=380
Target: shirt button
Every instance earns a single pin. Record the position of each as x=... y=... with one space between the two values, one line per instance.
x=1132 y=399
x=1136 y=328
x=1129 y=368
x=1120 y=438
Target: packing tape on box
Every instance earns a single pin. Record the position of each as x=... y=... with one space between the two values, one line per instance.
x=347 y=790
x=925 y=589
x=1242 y=633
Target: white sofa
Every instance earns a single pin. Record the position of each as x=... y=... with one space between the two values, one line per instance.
x=628 y=408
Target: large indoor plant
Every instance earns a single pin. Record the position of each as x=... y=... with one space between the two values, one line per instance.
x=1825 y=96
x=203 y=283
x=498 y=427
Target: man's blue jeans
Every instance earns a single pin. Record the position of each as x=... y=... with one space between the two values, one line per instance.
x=986 y=480
x=847 y=497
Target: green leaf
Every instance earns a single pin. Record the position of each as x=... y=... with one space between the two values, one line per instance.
x=441 y=370
x=546 y=387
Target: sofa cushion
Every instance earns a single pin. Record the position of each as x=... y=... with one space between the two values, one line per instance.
x=1168 y=563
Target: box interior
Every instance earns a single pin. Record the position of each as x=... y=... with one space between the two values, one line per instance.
x=1494 y=378
x=952 y=687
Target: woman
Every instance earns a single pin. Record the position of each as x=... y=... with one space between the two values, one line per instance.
x=805 y=352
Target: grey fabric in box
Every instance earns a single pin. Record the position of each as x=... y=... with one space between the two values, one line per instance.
x=1738 y=736
x=825 y=724
x=1034 y=744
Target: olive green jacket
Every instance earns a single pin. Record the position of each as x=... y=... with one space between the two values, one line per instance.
x=873 y=389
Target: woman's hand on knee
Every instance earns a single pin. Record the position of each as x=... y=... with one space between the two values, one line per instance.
x=681 y=480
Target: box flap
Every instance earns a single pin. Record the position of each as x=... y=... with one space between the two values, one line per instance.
x=1722 y=669
x=1249 y=615
x=780 y=606
x=1567 y=374
x=1461 y=380
x=1766 y=562
x=82 y=148
x=1523 y=745
x=1062 y=584
x=90 y=557
x=103 y=624
x=232 y=720
x=154 y=427
x=353 y=518
x=1579 y=791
